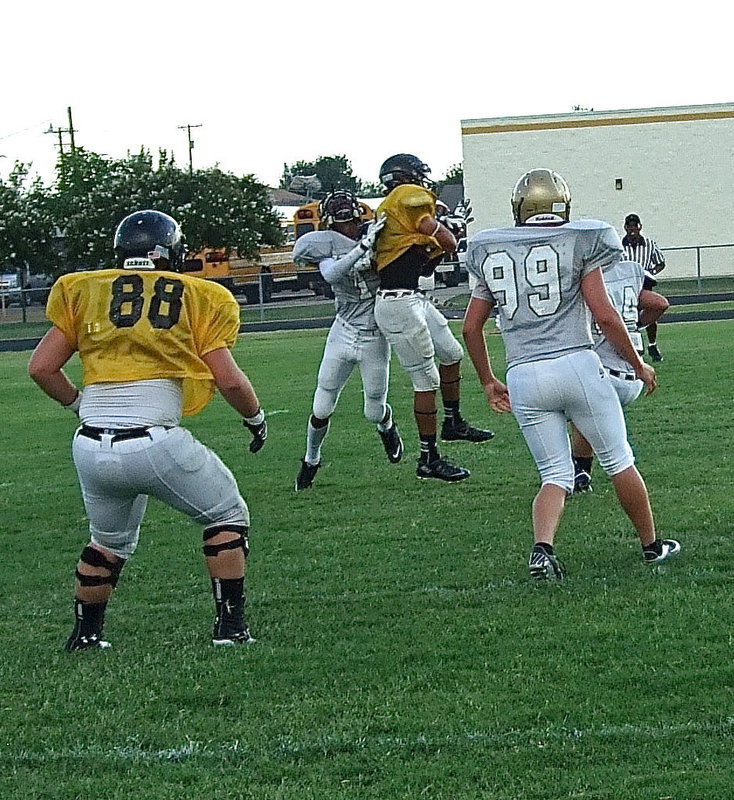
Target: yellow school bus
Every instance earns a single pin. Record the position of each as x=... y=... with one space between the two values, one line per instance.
x=257 y=279
x=273 y=271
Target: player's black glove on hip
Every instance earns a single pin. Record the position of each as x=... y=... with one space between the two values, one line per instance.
x=258 y=427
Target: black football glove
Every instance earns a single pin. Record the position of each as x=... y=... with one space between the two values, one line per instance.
x=259 y=431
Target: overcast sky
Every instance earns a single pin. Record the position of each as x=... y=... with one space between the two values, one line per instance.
x=281 y=81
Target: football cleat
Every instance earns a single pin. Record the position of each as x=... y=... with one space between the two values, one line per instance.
x=306 y=475
x=392 y=443
x=582 y=483
x=91 y=642
x=462 y=431
x=655 y=353
x=544 y=566
x=233 y=638
x=230 y=627
x=661 y=550
x=442 y=470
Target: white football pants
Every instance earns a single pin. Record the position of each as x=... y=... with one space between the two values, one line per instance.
x=546 y=394
x=117 y=478
x=418 y=332
x=347 y=347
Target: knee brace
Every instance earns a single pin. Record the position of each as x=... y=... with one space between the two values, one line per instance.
x=240 y=539
x=95 y=558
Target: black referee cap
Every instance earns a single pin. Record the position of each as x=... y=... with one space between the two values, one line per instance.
x=632 y=218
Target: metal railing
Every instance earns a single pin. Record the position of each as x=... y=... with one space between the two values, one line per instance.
x=683 y=268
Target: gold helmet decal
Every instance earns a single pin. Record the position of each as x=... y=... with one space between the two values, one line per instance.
x=541 y=196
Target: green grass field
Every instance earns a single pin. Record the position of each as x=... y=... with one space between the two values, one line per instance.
x=402 y=650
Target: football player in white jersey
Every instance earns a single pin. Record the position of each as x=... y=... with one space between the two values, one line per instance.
x=354 y=340
x=630 y=289
x=154 y=344
x=545 y=277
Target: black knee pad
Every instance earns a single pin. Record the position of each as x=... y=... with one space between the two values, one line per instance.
x=232 y=544
x=95 y=558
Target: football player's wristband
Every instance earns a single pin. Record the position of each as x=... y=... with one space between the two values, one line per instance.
x=438 y=225
x=258 y=419
x=75 y=403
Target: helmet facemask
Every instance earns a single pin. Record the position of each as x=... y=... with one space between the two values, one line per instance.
x=339 y=206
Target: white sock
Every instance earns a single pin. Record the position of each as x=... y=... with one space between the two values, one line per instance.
x=385 y=426
x=314 y=440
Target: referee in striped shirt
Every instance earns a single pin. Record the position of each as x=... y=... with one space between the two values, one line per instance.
x=647 y=253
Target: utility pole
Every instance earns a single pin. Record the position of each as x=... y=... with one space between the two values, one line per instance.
x=70 y=131
x=60 y=131
x=188 y=128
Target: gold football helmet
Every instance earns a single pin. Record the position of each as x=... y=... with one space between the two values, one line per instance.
x=542 y=193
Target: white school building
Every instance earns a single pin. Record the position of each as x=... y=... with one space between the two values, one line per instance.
x=672 y=166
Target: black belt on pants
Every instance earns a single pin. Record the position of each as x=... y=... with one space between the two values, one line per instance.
x=117 y=434
x=396 y=292
x=626 y=376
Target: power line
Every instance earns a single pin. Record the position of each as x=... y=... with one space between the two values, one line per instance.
x=23 y=130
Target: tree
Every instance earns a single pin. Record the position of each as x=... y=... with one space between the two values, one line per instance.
x=454 y=175
x=94 y=193
x=26 y=225
x=333 y=172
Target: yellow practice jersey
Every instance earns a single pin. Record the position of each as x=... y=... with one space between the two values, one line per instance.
x=405 y=207
x=136 y=325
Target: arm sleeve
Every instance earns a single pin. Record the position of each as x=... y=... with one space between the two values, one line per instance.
x=606 y=250
x=656 y=258
x=335 y=268
x=481 y=290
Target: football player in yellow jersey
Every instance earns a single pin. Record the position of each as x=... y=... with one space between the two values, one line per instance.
x=153 y=344
x=409 y=246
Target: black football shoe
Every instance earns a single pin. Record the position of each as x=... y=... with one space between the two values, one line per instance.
x=660 y=550
x=655 y=353
x=392 y=443
x=92 y=641
x=461 y=431
x=582 y=483
x=442 y=470
x=306 y=475
x=544 y=567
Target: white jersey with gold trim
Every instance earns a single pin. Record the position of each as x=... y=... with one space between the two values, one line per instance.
x=533 y=275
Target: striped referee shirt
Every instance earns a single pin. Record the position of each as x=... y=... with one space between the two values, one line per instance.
x=645 y=252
